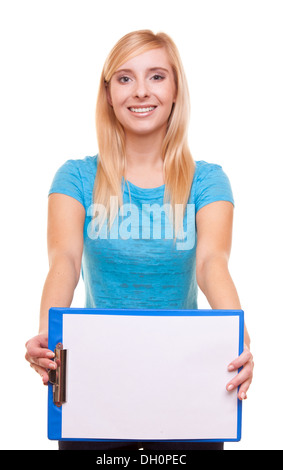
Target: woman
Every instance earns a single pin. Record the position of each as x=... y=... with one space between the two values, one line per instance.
x=142 y=120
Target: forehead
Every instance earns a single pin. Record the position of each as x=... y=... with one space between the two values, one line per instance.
x=153 y=58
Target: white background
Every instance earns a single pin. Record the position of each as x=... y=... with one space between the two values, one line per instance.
x=51 y=59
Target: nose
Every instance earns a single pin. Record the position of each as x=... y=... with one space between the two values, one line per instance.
x=141 y=89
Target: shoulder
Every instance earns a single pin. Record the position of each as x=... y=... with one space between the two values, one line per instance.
x=210 y=184
x=85 y=167
x=203 y=168
x=75 y=178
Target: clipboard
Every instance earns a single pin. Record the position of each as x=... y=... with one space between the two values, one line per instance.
x=144 y=375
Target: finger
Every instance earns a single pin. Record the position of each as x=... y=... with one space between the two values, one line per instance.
x=45 y=363
x=42 y=372
x=42 y=362
x=245 y=374
x=241 y=360
x=36 y=351
x=41 y=357
x=242 y=394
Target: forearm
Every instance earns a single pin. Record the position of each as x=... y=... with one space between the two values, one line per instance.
x=217 y=285
x=59 y=287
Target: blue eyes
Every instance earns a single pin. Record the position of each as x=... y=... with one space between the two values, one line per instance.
x=126 y=79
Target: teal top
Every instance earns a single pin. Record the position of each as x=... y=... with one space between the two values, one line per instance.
x=136 y=264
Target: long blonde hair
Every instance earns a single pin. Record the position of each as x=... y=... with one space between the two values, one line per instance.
x=179 y=166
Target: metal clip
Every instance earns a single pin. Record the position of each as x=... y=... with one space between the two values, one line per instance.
x=57 y=377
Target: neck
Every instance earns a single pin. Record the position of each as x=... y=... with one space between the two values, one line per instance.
x=144 y=152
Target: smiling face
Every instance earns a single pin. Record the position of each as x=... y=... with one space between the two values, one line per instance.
x=142 y=92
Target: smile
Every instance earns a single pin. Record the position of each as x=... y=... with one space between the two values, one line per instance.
x=142 y=110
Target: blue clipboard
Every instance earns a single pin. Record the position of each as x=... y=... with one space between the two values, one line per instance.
x=67 y=417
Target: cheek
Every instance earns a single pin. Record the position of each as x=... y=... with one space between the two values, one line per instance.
x=119 y=94
x=120 y=109
x=167 y=95
x=119 y=106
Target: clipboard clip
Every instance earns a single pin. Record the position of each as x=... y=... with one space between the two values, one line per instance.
x=57 y=377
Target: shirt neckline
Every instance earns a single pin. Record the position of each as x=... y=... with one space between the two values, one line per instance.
x=158 y=191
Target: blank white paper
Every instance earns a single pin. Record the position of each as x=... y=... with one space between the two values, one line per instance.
x=149 y=377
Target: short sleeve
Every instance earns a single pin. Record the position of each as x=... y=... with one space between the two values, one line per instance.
x=67 y=180
x=212 y=185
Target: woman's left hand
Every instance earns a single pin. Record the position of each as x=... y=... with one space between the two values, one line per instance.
x=244 y=378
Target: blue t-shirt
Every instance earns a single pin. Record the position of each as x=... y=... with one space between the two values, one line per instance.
x=136 y=264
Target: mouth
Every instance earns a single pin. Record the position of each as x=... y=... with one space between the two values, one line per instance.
x=142 y=110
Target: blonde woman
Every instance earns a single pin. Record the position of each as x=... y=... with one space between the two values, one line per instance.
x=144 y=166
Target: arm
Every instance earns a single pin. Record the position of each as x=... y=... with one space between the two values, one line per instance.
x=65 y=244
x=214 y=239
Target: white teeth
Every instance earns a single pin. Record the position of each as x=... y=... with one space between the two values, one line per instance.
x=142 y=110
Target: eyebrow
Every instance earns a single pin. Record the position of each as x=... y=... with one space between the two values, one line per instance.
x=152 y=69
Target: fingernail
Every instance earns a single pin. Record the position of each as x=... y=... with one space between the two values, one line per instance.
x=243 y=395
x=52 y=365
x=231 y=367
x=50 y=354
x=230 y=387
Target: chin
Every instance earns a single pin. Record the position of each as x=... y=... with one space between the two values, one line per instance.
x=145 y=129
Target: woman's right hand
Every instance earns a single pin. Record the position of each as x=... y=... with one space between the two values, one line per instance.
x=39 y=356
